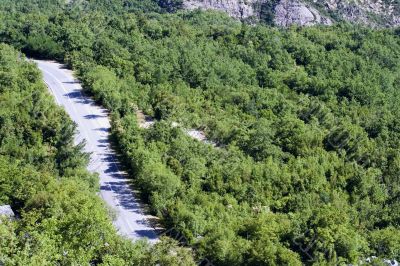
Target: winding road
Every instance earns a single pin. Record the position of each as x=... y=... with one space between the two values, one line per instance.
x=94 y=127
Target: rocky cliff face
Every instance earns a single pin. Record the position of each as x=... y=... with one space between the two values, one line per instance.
x=288 y=12
x=284 y=13
x=384 y=13
x=235 y=8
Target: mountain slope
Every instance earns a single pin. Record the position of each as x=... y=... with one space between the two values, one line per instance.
x=305 y=13
x=306 y=119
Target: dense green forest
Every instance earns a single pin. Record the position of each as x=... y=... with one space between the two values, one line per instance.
x=307 y=122
x=60 y=218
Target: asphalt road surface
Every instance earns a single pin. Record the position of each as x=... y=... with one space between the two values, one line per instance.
x=94 y=126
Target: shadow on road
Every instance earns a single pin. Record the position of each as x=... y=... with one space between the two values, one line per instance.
x=92 y=116
x=103 y=129
x=79 y=97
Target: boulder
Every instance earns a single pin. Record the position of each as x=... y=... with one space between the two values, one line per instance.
x=6 y=211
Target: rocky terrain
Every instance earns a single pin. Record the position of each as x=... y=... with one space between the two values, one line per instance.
x=288 y=12
x=384 y=13
x=376 y=13
x=235 y=8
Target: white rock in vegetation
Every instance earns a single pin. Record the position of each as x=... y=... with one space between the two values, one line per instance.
x=6 y=211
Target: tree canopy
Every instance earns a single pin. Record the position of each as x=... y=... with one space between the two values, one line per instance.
x=43 y=176
x=306 y=121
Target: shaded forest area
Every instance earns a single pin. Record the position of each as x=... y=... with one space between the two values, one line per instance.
x=307 y=122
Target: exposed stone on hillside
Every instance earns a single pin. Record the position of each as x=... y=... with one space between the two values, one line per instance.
x=286 y=12
x=383 y=13
x=235 y=8
x=368 y=12
x=289 y=12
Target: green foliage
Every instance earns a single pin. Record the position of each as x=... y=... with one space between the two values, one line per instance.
x=43 y=176
x=306 y=120
x=267 y=10
x=386 y=242
x=170 y=5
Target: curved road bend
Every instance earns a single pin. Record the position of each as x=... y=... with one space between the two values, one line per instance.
x=94 y=126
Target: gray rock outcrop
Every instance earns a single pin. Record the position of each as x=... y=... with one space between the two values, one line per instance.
x=368 y=12
x=377 y=13
x=289 y=12
x=239 y=9
x=286 y=12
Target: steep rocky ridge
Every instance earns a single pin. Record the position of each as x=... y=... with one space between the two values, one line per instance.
x=377 y=13
x=384 y=13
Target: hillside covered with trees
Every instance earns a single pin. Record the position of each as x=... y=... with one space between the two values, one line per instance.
x=306 y=121
x=60 y=218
